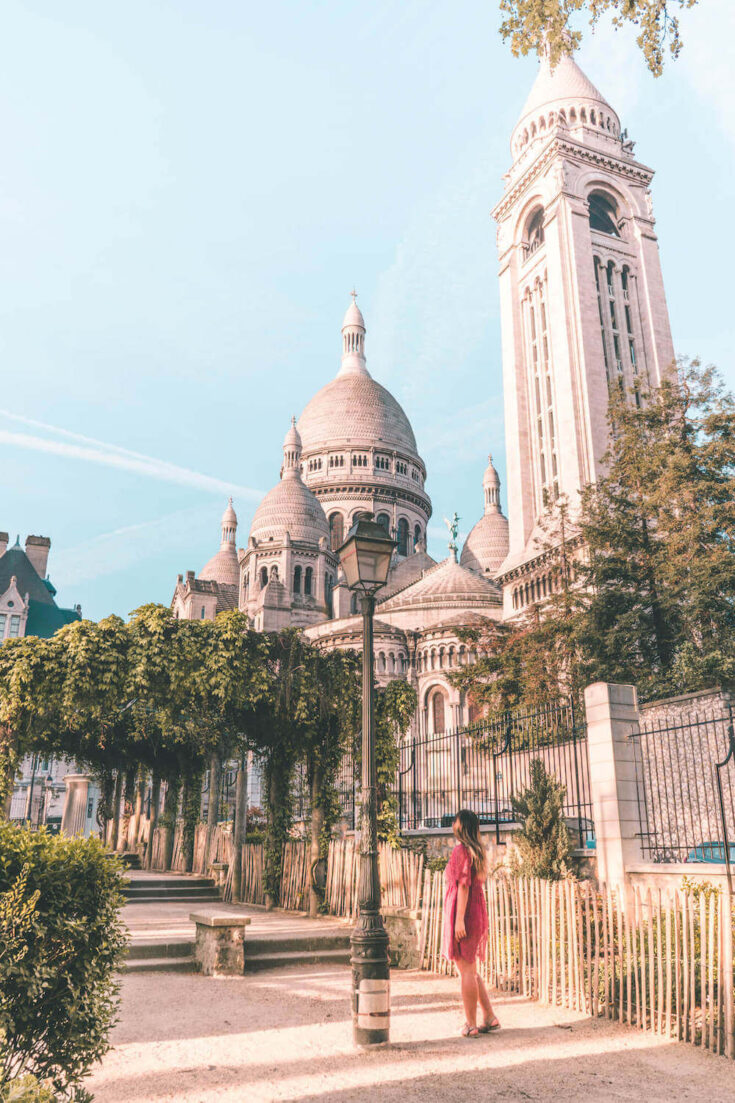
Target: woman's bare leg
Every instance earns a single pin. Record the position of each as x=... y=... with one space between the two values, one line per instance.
x=484 y=998
x=468 y=981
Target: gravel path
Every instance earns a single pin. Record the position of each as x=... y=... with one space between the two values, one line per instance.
x=286 y=1035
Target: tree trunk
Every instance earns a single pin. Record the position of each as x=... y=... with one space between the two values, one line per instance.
x=170 y=809
x=8 y=765
x=137 y=811
x=126 y=814
x=104 y=805
x=317 y=826
x=215 y=775
x=116 y=801
x=153 y=818
x=239 y=828
x=191 y=806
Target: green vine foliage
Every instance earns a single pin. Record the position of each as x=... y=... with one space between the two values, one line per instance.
x=395 y=705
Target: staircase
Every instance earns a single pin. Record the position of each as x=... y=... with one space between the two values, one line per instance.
x=160 y=957
x=170 y=889
x=276 y=951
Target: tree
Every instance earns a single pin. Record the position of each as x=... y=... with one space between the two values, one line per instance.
x=543 y=847
x=535 y=25
x=644 y=574
x=657 y=583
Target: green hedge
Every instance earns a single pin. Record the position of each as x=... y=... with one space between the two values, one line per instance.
x=61 y=943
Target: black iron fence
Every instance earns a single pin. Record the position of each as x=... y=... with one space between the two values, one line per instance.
x=483 y=767
x=685 y=780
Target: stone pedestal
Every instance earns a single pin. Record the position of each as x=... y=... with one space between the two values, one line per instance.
x=403 y=927
x=219 y=949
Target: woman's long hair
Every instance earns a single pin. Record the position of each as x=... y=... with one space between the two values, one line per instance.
x=466 y=829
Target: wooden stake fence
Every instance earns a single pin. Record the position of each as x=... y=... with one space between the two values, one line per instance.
x=665 y=968
x=401 y=876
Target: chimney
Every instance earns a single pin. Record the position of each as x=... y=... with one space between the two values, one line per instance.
x=3 y=542
x=37 y=548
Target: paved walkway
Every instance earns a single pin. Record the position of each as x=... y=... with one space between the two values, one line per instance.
x=287 y=1035
x=168 y=921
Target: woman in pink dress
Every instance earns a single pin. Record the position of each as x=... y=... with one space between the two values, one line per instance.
x=465 y=920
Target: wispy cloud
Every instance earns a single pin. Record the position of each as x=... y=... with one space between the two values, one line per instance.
x=76 y=446
x=115 y=551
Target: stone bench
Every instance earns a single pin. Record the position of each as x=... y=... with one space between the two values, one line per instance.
x=219 y=949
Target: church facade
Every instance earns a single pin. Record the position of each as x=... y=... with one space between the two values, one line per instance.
x=582 y=310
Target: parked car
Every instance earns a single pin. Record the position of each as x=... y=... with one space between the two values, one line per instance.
x=505 y=815
x=711 y=852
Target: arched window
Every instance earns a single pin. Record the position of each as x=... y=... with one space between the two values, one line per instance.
x=328 y=585
x=416 y=536
x=403 y=536
x=384 y=521
x=274 y=573
x=381 y=662
x=534 y=233
x=263 y=577
x=437 y=712
x=336 y=530
x=353 y=604
x=603 y=214
x=392 y=663
x=308 y=575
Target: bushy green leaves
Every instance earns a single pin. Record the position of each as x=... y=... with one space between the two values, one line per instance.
x=61 y=942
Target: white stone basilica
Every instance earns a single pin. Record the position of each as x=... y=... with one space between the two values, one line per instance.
x=582 y=309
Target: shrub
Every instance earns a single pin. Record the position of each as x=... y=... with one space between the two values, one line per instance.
x=26 y=1089
x=61 y=941
x=543 y=845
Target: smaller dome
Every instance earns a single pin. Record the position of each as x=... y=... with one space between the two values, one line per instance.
x=222 y=568
x=445 y=585
x=487 y=544
x=491 y=477
x=290 y=507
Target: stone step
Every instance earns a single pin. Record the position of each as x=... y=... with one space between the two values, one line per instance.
x=292 y=943
x=278 y=959
x=159 y=965
x=139 y=884
x=190 y=892
x=138 y=951
x=186 y=898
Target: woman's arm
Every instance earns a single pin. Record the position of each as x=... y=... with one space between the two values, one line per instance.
x=463 y=895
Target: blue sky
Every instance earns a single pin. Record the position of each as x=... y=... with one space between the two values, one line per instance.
x=188 y=192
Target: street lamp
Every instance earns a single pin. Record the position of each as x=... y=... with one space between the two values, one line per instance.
x=365 y=558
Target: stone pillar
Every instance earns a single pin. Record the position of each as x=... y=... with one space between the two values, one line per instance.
x=74 y=816
x=612 y=717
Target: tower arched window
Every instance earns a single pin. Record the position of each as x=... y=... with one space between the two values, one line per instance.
x=416 y=536
x=534 y=235
x=603 y=214
x=438 y=712
x=336 y=530
x=403 y=536
x=263 y=576
x=381 y=662
x=308 y=577
x=353 y=604
x=297 y=580
x=384 y=521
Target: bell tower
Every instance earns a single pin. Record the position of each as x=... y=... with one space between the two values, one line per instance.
x=582 y=302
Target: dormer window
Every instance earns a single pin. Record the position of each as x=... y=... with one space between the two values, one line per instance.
x=603 y=214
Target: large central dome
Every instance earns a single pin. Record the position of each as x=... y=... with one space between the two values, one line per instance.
x=355 y=409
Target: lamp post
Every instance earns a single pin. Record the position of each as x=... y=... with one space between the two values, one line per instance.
x=365 y=558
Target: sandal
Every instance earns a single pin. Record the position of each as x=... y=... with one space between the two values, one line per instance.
x=486 y=1028
x=468 y=1031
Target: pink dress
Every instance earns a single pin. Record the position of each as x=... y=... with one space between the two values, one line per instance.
x=459 y=871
